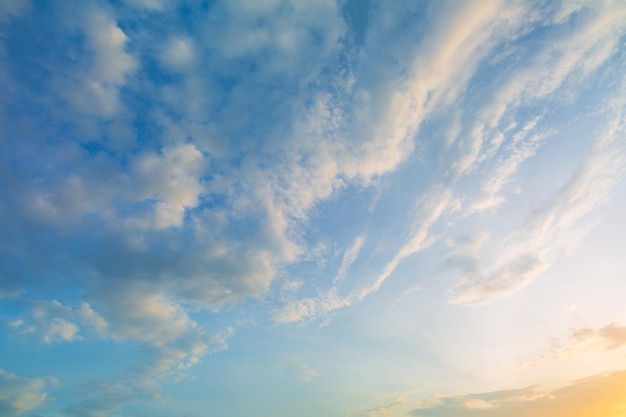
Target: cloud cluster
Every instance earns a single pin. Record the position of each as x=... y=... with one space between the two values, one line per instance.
x=171 y=342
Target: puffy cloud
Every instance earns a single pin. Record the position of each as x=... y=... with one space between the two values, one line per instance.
x=50 y=321
x=179 y=53
x=171 y=341
x=19 y=395
x=140 y=314
x=96 y=90
x=171 y=181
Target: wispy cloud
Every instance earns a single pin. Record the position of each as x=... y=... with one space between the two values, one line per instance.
x=348 y=258
x=584 y=340
x=557 y=226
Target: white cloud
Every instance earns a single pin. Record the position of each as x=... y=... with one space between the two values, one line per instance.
x=309 y=309
x=171 y=180
x=51 y=321
x=437 y=76
x=571 y=55
x=532 y=84
x=523 y=146
x=349 y=257
x=443 y=66
x=179 y=53
x=60 y=329
x=14 y=324
x=558 y=226
x=92 y=319
x=112 y=64
x=95 y=90
x=432 y=205
x=19 y=395
x=239 y=144
x=54 y=322
x=219 y=341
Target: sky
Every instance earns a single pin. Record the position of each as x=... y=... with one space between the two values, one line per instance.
x=278 y=208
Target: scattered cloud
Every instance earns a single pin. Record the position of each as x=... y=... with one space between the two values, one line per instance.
x=19 y=395
x=557 y=226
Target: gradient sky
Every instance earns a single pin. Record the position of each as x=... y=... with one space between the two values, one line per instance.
x=312 y=208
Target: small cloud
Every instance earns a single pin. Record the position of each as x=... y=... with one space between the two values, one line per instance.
x=408 y=292
x=349 y=257
x=291 y=286
x=51 y=321
x=59 y=329
x=219 y=342
x=14 y=324
x=178 y=54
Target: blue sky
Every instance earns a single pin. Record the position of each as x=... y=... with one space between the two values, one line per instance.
x=315 y=208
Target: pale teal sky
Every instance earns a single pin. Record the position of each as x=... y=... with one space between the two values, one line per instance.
x=312 y=208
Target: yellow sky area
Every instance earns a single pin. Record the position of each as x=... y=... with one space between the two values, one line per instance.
x=602 y=395
x=597 y=396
